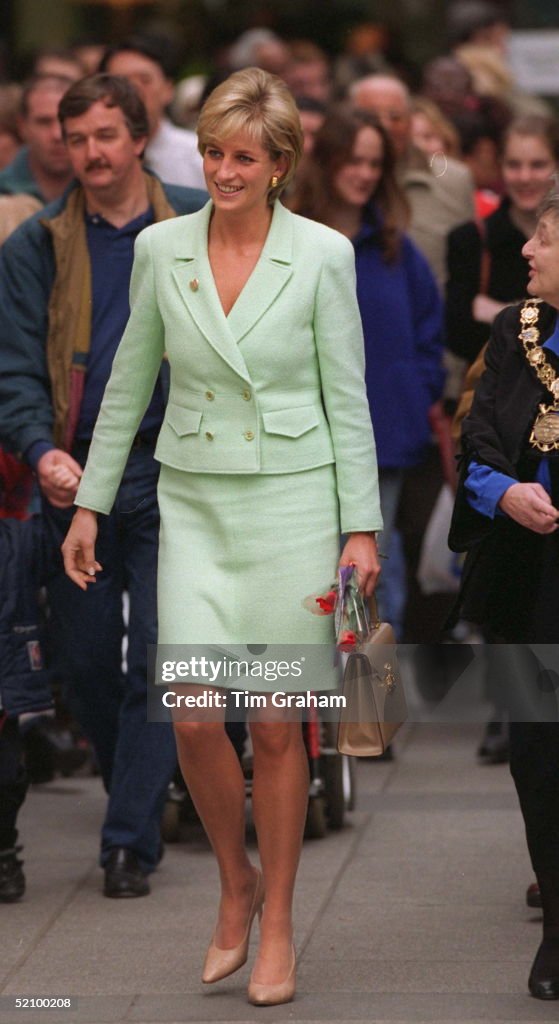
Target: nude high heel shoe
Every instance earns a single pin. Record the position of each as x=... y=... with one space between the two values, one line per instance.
x=270 y=995
x=220 y=963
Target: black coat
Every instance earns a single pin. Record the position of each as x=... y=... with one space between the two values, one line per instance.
x=508 y=277
x=506 y=563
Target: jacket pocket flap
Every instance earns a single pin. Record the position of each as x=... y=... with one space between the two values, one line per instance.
x=291 y=422
x=183 y=421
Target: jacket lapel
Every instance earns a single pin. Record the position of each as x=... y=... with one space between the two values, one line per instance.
x=269 y=277
x=193 y=275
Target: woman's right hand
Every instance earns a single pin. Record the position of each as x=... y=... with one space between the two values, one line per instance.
x=78 y=550
x=530 y=505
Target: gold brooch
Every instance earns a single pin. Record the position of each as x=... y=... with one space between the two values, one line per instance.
x=194 y=284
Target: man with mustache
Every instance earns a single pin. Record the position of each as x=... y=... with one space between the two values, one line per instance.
x=64 y=280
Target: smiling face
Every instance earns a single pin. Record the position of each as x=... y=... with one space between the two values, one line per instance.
x=238 y=172
x=542 y=253
x=527 y=169
x=357 y=180
x=103 y=154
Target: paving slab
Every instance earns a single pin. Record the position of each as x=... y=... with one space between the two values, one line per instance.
x=413 y=913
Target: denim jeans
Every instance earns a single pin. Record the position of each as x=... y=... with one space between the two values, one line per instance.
x=137 y=758
x=391 y=590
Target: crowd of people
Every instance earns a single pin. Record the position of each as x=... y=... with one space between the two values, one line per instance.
x=406 y=225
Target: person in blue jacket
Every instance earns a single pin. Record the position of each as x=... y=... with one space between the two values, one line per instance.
x=349 y=183
x=24 y=680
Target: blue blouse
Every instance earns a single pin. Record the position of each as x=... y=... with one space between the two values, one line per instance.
x=486 y=486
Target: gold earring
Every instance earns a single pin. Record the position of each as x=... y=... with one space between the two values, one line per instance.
x=274 y=181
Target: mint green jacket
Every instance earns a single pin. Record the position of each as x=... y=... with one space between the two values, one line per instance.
x=277 y=386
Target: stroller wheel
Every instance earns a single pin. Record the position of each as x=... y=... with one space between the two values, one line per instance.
x=316 y=824
x=339 y=778
x=334 y=790
x=350 y=782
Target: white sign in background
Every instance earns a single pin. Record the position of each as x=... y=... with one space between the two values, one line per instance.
x=534 y=60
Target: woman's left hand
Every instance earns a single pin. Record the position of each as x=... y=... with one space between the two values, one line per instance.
x=361 y=551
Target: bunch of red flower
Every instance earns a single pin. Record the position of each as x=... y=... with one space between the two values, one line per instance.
x=347 y=640
x=327 y=602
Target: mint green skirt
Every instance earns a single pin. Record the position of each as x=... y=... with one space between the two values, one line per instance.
x=238 y=557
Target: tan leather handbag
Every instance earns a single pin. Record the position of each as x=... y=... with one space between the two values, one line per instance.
x=375 y=702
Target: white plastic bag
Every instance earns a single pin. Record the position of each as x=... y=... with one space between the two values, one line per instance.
x=439 y=567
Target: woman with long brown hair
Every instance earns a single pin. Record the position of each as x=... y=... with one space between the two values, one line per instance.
x=349 y=183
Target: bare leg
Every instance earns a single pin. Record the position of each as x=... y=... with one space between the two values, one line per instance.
x=279 y=802
x=215 y=781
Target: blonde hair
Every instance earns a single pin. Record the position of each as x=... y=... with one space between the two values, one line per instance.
x=440 y=123
x=259 y=103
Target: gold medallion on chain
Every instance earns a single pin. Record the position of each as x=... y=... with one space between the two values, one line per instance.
x=545 y=431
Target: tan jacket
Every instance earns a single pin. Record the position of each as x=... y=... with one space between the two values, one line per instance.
x=69 y=309
x=465 y=404
x=440 y=200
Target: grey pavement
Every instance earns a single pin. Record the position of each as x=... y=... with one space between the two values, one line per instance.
x=414 y=912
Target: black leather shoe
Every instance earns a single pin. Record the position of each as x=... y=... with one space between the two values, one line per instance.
x=123 y=875
x=12 y=879
x=543 y=982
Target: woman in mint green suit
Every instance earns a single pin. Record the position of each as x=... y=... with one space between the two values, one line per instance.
x=267 y=455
